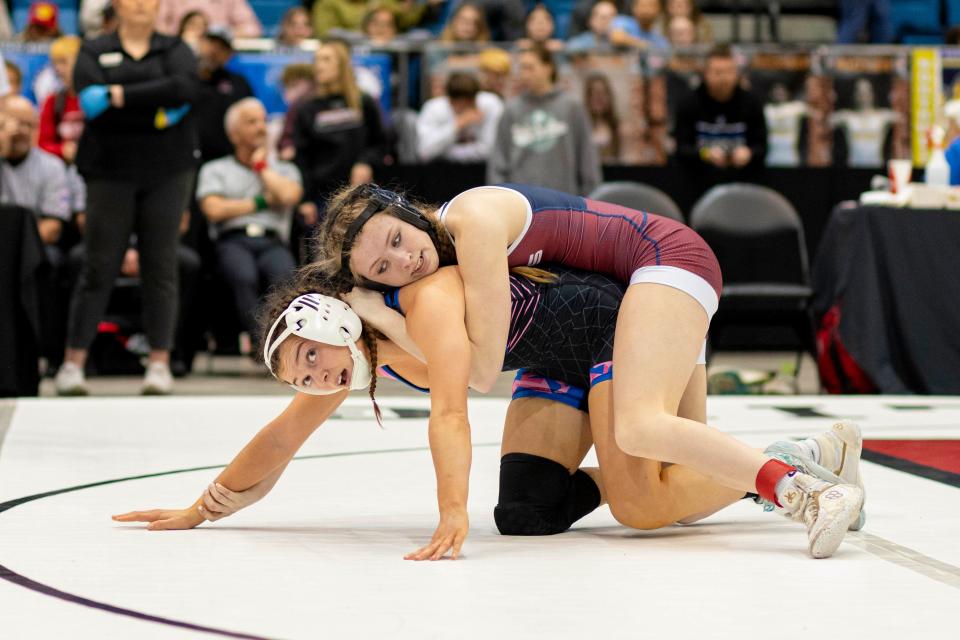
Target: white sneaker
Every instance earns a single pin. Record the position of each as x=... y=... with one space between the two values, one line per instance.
x=826 y=509
x=840 y=450
x=70 y=380
x=158 y=380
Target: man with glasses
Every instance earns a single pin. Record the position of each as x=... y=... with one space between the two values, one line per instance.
x=32 y=178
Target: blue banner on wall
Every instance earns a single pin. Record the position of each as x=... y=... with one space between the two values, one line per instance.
x=262 y=70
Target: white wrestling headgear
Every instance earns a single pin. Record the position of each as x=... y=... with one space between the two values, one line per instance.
x=317 y=317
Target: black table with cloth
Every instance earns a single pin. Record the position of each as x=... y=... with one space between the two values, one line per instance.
x=895 y=274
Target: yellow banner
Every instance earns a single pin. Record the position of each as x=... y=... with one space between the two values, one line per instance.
x=926 y=91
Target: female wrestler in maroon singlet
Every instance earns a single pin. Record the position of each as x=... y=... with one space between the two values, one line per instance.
x=373 y=237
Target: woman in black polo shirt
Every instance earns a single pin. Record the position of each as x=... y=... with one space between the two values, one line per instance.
x=337 y=132
x=137 y=154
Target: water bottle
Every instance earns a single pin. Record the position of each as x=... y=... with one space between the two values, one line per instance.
x=937 y=171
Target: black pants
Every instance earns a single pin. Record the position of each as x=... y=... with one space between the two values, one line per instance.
x=188 y=269
x=115 y=209
x=250 y=266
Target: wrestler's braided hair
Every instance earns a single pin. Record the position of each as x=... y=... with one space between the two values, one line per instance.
x=310 y=280
x=345 y=206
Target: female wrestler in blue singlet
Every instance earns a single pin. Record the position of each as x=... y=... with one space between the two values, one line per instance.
x=561 y=329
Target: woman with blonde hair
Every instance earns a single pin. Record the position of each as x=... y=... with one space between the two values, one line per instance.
x=466 y=24
x=61 y=120
x=338 y=133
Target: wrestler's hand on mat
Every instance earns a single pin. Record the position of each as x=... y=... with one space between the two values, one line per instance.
x=219 y=502
x=449 y=536
x=164 y=519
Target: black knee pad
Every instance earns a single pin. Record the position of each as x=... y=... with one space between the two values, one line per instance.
x=539 y=497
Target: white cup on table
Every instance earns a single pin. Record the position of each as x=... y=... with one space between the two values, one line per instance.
x=900 y=172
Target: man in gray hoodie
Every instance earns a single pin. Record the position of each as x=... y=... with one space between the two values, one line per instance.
x=544 y=134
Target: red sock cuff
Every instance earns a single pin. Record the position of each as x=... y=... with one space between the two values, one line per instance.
x=768 y=477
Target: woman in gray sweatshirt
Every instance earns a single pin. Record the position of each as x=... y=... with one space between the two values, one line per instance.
x=544 y=134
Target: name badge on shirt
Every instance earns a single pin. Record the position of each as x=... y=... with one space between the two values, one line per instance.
x=112 y=59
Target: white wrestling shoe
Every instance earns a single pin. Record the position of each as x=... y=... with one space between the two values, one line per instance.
x=70 y=380
x=826 y=509
x=840 y=449
x=158 y=380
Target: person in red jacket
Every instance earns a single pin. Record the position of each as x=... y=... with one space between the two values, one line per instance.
x=61 y=120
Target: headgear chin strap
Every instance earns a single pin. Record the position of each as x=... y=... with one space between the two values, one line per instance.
x=394 y=204
x=322 y=319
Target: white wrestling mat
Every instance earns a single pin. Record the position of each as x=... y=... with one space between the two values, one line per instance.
x=321 y=557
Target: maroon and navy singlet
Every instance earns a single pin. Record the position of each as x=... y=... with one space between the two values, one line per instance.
x=561 y=334
x=628 y=245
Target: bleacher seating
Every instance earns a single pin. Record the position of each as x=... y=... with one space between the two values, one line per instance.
x=270 y=13
x=917 y=21
x=952 y=12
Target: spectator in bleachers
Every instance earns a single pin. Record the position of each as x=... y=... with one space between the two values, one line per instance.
x=688 y=9
x=466 y=24
x=248 y=201
x=338 y=133
x=14 y=77
x=855 y=16
x=237 y=15
x=597 y=39
x=218 y=89
x=61 y=120
x=641 y=29
x=580 y=16
x=504 y=18
x=380 y=26
x=543 y=137
x=721 y=131
x=495 y=67
x=540 y=29
x=681 y=31
x=37 y=180
x=143 y=84
x=295 y=27
x=48 y=80
x=348 y=14
x=42 y=23
x=34 y=178
x=604 y=121
x=299 y=84
x=461 y=125
x=193 y=26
